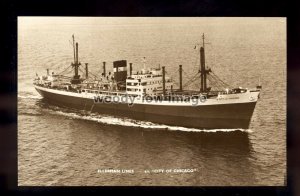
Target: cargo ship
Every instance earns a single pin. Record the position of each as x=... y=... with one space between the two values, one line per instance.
x=150 y=94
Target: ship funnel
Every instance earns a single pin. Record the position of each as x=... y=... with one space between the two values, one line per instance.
x=120 y=70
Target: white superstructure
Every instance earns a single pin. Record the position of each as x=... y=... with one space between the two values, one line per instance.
x=147 y=82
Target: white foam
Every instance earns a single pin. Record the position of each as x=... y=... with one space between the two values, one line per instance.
x=30 y=96
x=142 y=124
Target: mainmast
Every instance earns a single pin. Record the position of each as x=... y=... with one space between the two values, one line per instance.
x=203 y=70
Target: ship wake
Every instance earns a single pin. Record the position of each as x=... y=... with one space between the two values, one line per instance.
x=28 y=95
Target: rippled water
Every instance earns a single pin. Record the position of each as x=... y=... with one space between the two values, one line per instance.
x=62 y=146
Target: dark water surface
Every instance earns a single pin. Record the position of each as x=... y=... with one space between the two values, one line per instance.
x=61 y=146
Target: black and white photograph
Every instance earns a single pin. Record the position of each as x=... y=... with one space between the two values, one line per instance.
x=151 y=101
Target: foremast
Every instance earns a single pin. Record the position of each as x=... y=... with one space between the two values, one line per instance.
x=75 y=64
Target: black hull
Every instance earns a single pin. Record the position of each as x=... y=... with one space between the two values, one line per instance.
x=225 y=116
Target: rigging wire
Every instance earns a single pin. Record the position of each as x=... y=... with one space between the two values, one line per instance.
x=83 y=72
x=80 y=70
x=190 y=84
x=194 y=78
x=217 y=77
x=93 y=74
x=216 y=82
x=68 y=67
x=212 y=77
x=216 y=85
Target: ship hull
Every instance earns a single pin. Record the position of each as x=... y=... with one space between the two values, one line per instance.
x=223 y=116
